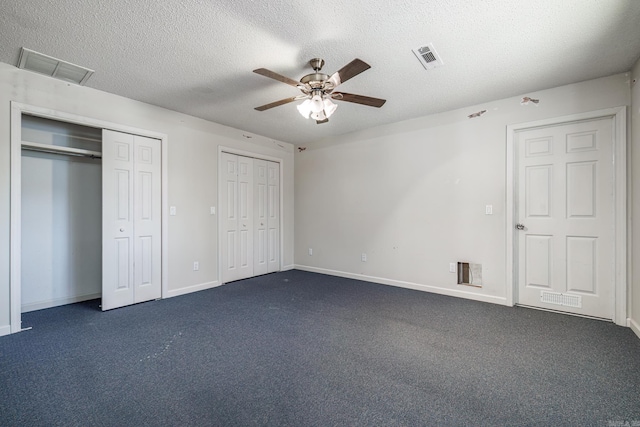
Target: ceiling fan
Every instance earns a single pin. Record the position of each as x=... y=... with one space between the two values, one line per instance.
x=318 y=90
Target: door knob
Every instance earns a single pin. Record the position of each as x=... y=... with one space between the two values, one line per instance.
x=122 y=230
x=519 y=226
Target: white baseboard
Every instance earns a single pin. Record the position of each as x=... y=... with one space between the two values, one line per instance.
x=635 y=326
x=288 y=267
x=5 y=330
x=40 y=305
x=407 y=285
x=190 y=289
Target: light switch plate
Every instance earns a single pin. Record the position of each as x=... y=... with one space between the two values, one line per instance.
x=172 y=210
x=488 y=210
x=213 y=210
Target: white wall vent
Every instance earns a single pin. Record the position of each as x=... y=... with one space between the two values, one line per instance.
x=52 y=67
x=428 y=56
x=561 y=299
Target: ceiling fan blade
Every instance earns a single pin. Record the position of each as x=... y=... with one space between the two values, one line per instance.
x=276 y=76
x=277 y=103
x=319 y=122
x=359 y=99
x=350 y=70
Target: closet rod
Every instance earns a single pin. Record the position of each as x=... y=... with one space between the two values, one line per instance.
x=56 y=149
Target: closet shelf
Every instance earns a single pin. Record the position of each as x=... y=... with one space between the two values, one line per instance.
x=47 y=148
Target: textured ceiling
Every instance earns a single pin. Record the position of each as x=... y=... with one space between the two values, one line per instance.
x=197 y=56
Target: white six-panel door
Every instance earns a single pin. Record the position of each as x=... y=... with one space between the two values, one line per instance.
x=565 y=211
x=249 y=209
x=131 y=218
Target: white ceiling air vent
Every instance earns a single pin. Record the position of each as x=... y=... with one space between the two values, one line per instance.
x=428 y=56
x=52 y=67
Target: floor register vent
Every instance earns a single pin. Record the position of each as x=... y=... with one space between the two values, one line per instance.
x=561 y=299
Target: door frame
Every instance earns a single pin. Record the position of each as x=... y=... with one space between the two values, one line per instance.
x=15 y=166
x=619 y=117
x=253 y=155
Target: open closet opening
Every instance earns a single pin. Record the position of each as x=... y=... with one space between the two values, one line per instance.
x=61 y=213
x=87 y=212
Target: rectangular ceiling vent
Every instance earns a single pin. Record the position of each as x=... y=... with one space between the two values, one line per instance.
x=428 y=56
x=52 y=67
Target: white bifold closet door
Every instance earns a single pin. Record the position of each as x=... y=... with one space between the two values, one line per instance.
x=251 y=220
x=266 y=250
x=131 y=219
x=237 y=208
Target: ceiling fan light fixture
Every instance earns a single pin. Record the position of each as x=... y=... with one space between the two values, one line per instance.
x=329 y=106
x=305 y=108
x=317 y=104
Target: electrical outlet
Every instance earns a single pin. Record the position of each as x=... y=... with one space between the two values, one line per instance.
x=452 y=267
x=363 y=257
x=196 y=266
x=310 y=251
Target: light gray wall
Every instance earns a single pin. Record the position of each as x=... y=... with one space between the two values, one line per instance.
x=634 y=205
x=192 y=171
x=412 y=195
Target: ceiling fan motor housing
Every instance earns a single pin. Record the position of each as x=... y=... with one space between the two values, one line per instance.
x=315 y=80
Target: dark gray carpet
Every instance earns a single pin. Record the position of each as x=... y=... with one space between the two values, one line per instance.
x=303 y=349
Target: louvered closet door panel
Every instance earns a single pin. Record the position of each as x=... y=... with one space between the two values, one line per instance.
x=147 y=219
x=117 y=219
x=273 y=216
x=260 y=244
